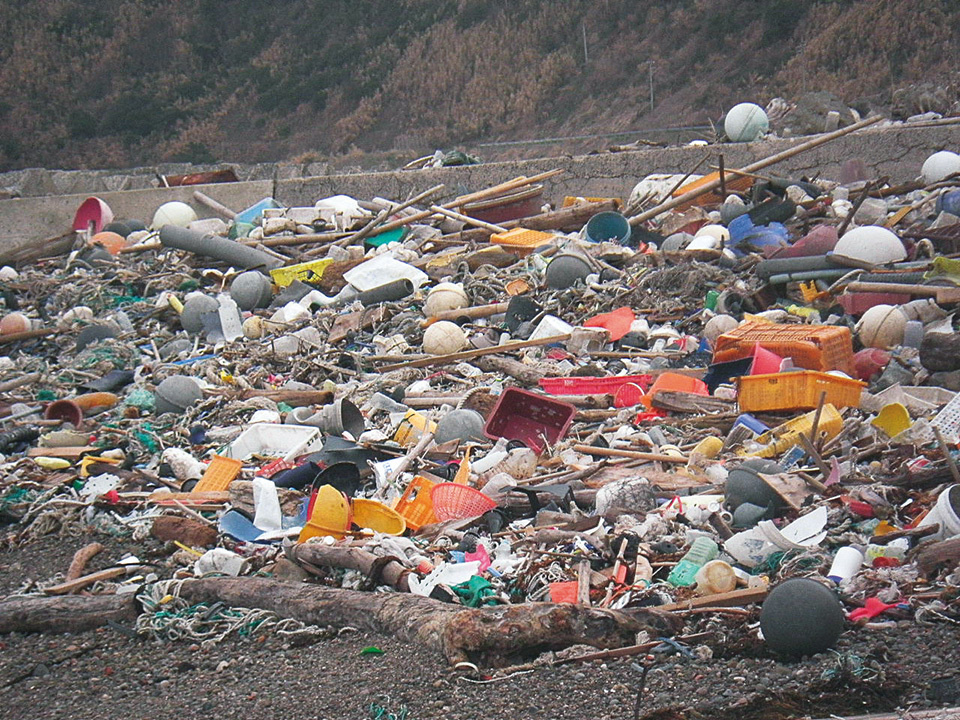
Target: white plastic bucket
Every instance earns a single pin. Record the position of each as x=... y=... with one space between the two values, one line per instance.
x=945 y=512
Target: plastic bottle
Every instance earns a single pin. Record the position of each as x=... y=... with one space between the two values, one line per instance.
x=700 y=553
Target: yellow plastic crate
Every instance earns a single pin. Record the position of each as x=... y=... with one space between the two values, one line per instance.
x=796 y=391
x=521 y=241
x=783 y=437
x=305 y=272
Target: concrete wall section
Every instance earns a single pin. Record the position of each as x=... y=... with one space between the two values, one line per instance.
x=896 y=152
x=44 y=217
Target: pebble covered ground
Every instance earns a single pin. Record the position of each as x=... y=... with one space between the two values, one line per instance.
x=109 y=674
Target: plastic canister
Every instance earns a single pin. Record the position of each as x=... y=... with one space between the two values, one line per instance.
x=700 y=553
x=412 y=428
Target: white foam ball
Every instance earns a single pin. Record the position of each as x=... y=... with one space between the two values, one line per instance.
x=882 y=327
x=443 y=338
x=445 y=296
x=940 y=165
x=745 y=122
x=173 y=213
x=717 y=326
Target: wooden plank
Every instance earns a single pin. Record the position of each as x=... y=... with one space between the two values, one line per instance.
x=633 y=454
x=70 y=586
x=67 y=453
x=788 y=487
x=734 y=598
x=470 y=354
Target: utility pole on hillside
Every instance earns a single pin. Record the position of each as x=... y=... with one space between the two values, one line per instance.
x=584 y=28
x=650 y=64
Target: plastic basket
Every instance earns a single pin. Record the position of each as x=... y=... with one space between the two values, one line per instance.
x=416 y=505
x=796 y=391
x=674 y=382
x=520 y=241
x=219 y=474
x=948 y=419
x=271 y=440
x=592 y=385
x=812 y=347
x=459 y=502
x=533 y=419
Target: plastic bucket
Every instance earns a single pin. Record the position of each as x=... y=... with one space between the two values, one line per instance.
x=607 y=225
x=946 y=512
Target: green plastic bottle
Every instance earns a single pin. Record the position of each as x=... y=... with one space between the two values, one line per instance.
x=700 y=553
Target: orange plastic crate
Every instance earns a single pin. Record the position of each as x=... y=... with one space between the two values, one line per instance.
x=812 y=347
x=416 y=505
x=219 y=474
x=796 y=391
x=520 y=241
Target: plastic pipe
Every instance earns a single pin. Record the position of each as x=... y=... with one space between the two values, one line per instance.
x=219 y=248
x=394 y=290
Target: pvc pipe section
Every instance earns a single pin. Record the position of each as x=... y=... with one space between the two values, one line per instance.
x=219 y=248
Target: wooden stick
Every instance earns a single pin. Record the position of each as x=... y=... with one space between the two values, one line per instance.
x=734 y=598
x=372 y=225
x=477 y=311
x=468 y=220
x=415 y=452
x=816 y=419
x=80 y=559
x=81 y=582
x=470 y=354
x=759 y=165
x=20 y=381
x=220 y=209
x=951 y=463
x=616 y=452
x=583 y=582
x=472 y=197
x=27 y=335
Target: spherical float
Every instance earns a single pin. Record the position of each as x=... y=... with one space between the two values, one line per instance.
x=882 y=327
x=872 y=244
x=564 y=270
x=940 y=166
x=717 y=326
x=445 y=296
x=194 y=309
x=112 y=242
x=443 y=338
x=745 y=122
x=250 y=290
x=801 y=617
x=15 y=322
x=176 y=394
x=173 y=213
x=462 y=424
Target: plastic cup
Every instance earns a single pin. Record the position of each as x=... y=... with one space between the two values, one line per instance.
x=846 y=564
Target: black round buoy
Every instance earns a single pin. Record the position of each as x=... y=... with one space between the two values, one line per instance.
x=801 y=617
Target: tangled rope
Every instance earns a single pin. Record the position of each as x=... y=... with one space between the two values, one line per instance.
x=167 y=616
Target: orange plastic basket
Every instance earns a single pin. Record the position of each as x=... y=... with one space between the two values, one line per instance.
x=415 y=505
x=520 y=241
x=796 y=391
x=459 y=502
x=813 y=347
x=219 y=474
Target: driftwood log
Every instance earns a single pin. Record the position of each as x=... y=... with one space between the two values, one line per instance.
x=490 y=636
x=70 y=613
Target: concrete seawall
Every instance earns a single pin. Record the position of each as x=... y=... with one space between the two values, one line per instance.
x=896 y=152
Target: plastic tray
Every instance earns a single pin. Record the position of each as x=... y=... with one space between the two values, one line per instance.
x=812 y=347
x=219 y=474
x=271 y=440
x=592 y=385
x=520 y=241
x=533 y=419
x=796 y=391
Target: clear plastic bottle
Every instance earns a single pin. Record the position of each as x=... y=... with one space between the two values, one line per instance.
x=700 y=553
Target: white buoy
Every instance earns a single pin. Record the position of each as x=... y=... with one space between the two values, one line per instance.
x=173 y=213
x=745 y=122
x=872 y=244
x=939 y=166
x=443 y=338
x=882 y=327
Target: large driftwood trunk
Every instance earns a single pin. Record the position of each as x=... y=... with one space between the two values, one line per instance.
x=486 y=636
x=71 y=613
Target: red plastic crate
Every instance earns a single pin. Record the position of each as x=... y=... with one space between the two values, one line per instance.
x=593 y=385
x=530 y=418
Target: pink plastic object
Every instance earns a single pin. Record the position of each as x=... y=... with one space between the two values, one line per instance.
x=592 y=385
x=859 y=303
x=535 y=420
x=66 y=410
x=677 y=383
x=764 y=361
x=617 y=322
x=458 y=502
x=480 y=555
x=94 y=210
x=819 y=241
x=868 y=362
x=628 y=395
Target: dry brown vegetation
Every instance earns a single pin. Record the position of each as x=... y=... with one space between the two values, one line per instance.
x=125 y=82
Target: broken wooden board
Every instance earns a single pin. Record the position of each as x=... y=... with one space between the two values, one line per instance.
x=359 y=320
x=790 y=488
x=734 y=598
x=67 y=453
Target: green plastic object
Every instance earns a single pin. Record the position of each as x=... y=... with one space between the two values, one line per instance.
x=240 y=230
x=372 y=650
x=700 y=553
x=385 y=238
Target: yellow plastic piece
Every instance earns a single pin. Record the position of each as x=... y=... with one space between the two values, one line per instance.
x=809 y=291
x=89 y=460
x=799 y=390
x=893 y=419
x=219 y=474
x=175 y=304
x=52 y=463
x=783 y=437
x=376 y=516
x=412 y=427
x=306 y=272
x=463 y=472
x=331 y=515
